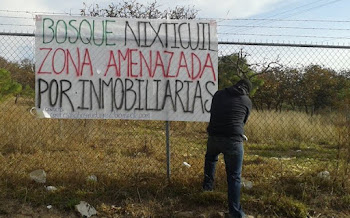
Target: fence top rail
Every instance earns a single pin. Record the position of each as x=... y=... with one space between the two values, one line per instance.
x=17 y=34
x=271 y=44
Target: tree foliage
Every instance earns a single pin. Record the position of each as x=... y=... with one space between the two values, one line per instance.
x=8 y=86
x=133 y=9
x=312 y=89
x=234 y=67
x=22 y=73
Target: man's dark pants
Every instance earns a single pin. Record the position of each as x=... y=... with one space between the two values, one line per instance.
x=232 y=150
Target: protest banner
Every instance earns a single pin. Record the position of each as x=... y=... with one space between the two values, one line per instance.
x=113 y=68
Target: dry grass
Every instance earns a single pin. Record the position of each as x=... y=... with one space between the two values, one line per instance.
x=283 y=156
x=271 y=126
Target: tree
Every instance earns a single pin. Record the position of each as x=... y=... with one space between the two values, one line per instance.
x=318 y=88
x=343 y=85
x=21 y=73
x=8 y=87
x=291 y=87
x=268 y=94
x=235 y=66
x=313 y=89
x=133 y=9
x=229 y=68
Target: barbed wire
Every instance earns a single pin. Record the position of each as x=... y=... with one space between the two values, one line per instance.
x=200 y=18
x=287 y=27
x=289 y=15
x=266 y=27
x=38 y=12
x=219 y=25
x=284 y=35
x=280 y=19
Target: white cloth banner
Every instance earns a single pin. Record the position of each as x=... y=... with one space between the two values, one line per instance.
x=112 y=68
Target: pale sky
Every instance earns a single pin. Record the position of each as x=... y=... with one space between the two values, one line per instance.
x=294 y=21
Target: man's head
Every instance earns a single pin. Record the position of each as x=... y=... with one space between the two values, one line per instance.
x=245 y=84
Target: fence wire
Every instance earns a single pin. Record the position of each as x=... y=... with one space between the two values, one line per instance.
x=293 y=129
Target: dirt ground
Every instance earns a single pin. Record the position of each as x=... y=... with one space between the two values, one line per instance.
x=14 y=209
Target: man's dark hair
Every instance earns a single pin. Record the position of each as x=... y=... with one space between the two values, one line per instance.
x=246 y=84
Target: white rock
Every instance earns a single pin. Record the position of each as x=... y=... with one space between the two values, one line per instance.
x=38 y=176
x=49 y=207
x=186 y=164
x=51 y=188
x=85 y=209
x=324 y=175
x=92 y=178
x=246 y=184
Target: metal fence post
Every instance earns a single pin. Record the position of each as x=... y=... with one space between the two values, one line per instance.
x=167 y=140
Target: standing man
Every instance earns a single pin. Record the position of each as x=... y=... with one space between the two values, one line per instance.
x=229 y=112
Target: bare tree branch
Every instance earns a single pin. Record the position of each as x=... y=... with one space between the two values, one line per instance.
x=133 y=9
x=266 y=68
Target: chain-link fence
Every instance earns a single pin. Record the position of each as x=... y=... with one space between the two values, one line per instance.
x=299 y=125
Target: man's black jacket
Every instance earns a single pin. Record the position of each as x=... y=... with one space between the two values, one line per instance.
x=229 y=112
